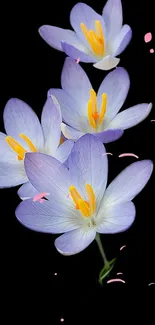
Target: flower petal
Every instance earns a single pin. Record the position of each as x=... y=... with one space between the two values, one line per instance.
x=51 y=123
x=20 y=118
x=109 y=135
x=47 y=175
x=70 y=133
x=6 y=153
x=41 y=217
x=121 y=40
x=107 y=63
x=88 y=164
x=64 y=150
x=130 y=117
x=77 y=53
x=69 y=107
x=112 y=15
x=75 y=241
x=116 y=218
x=128 y=183
x=27 y=191
x=116 y=85
x=75 y=82
x=11 y=174
x=53 y=36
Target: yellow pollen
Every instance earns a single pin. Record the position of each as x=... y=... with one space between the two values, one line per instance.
x=94 y=117
x=95 y=38
x=61 y=141
x=87 y=208
x=17 y=148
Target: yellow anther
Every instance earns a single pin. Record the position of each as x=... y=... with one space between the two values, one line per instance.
x=83 y=207
x=87 y=208
x=15 y=146
x=28 y=141
x=75 y=195
x=95 y=38
x=61 y=141
x=94 y=117
x=103 y=108
x=91 y=198
x=90 y=114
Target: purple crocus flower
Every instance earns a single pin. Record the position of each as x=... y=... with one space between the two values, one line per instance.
x=26 y=134
x=85 y=112
x=79 y=204
x=96 y=38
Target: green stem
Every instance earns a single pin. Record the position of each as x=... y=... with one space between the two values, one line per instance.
x=98 y=240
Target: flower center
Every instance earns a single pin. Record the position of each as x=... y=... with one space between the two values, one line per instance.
x=87 y=208
x=19 y=150
x=95 y=38
x=94 y=117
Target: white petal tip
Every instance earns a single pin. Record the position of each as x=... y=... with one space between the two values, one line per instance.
x=107 y=63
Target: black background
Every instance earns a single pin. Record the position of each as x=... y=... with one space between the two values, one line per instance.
x=28 y=68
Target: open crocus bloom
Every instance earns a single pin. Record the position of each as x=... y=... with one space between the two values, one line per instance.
x=79 y=205
x=26 y=134
x=84 y=111
x=97 y=38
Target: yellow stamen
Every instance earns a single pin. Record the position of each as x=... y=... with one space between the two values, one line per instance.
x=90 y=114
x=95 y=38
x=103 y=108
x=83 y=207
x=17 y=148
x=20 y=151
x=61 y=141
x=75 y=195
x=28 y=141
x=91 y=198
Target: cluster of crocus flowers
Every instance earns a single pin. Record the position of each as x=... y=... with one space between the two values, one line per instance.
x=64 y=179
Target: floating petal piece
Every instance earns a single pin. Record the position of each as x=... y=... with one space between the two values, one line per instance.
x=115 y=280
x=107 y=153
x=122 y=247
x=148 y=37
x=128 y=155
x=78 y=60
x=119 y=273
x=39 y=196
x=151 y=283
x=151 y=50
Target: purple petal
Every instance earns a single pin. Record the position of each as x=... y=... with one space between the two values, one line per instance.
x=27 y=191
x=122 y=40
x=20 y=118
x=109 y=135
x=11 y=174
x=112 y=15
x=128 y=183
x=75 y=53
x=64 y=150
x=75 y=82
x=6 y=153
x=130 y=117
x=51 y=123
x=53 y=36
x=82 y=13
x=47 y=175
x=116 y=85
x=71 y=133
x=75 y=241
x=88 y=164
x=42 y=217
x=116 y=218
x=107 y=63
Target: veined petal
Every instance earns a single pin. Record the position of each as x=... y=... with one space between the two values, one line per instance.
x=41 y=217
x=53 y=36
x=130 y=117
x=6 y=153
x=51 y=123
x=76 y=52
x=69 y=107
x=27 y=191
x=116 y=218
x=121 y=40
x=12 y=174
x=109 y=135
x=75 y=82
x=112 y=15
x=107 y=63
x=88 y=164
x=70 y=133
x=20 y=118
x=75 y=241
x=116 y=85
x=128 y=183
x=64 y=150
x=47 y=174
x=82 y=13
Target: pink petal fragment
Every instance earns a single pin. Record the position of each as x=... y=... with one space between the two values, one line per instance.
x=40 y=196
x=152 y=120
x=61 y=319
x=151 y=283
x=55 y=273
x=107 y=153
x=148 y=37
x=122 y=247
x=128 y=154
x=115 y=280
x=78 y=60
x=119 y=273
x=151 y=50
x=41 y=200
